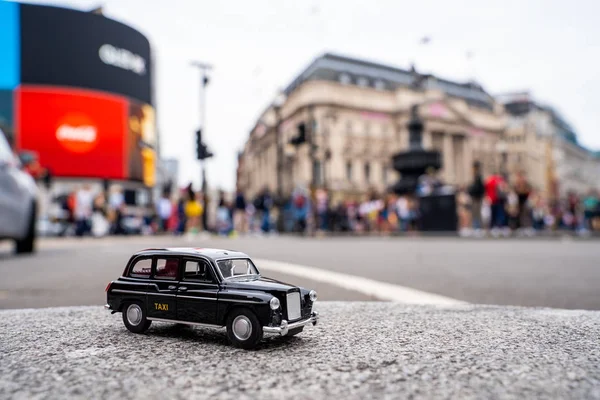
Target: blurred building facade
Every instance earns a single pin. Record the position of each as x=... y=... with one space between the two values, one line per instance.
x=541 y=143
x=355 y=114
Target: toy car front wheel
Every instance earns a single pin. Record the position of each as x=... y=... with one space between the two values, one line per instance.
x=134 y=318
x=243 y=329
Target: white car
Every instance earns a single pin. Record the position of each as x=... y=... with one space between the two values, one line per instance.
x=18 y=201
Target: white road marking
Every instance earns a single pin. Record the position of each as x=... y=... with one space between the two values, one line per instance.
x=380 y=290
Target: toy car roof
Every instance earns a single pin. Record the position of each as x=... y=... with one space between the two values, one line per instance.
x=214 y=254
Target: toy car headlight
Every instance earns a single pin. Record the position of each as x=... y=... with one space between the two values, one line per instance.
x=274 y=303
x=313 y=296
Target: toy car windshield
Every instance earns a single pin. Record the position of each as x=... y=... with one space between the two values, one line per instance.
x=238 y=268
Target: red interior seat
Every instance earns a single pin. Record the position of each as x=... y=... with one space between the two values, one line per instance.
x=171 y=268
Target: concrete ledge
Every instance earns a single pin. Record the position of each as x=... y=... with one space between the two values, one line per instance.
x=359 y=350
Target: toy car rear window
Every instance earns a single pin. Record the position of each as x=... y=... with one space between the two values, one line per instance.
x=142 y=268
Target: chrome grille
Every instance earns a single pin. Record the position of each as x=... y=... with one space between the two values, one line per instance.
x=293 y=306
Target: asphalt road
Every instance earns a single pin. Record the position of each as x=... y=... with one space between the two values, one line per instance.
x=523 y=272
x=357 y=351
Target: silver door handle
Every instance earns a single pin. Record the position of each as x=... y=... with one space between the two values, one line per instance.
x=182 y=289
x=172 y=287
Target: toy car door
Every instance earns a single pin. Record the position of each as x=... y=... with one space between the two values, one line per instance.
x=197 y=293
x=162 y=288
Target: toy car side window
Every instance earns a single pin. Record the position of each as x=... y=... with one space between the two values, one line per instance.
x=166 y=268
x=197 y=271
x=142 y=268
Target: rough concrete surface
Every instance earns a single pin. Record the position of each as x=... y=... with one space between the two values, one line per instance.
x=360 y=350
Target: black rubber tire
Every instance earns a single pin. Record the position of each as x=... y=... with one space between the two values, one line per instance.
x=143 y=325
x=256 y=334
x=27 y=244
x=293 y=332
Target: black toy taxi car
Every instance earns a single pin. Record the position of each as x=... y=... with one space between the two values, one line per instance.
x=211 y=288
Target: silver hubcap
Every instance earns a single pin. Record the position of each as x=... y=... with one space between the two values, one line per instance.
x=242 y=327
x=134 y=314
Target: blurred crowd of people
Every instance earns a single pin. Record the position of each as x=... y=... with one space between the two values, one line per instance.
x=501 y=206
x=493 y=205
x=84 y=211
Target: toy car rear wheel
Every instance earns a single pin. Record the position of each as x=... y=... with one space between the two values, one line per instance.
x=243 y=329
x=134 y=318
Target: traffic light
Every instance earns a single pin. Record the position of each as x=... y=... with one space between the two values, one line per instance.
x=301 y=138
x=199 y=144
x=202 y=151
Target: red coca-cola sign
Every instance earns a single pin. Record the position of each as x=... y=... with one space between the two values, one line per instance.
x=77 y=133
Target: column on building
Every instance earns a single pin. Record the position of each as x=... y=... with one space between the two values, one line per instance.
x=357 y=171
x=267 y=166
x=294 y=168
x=437 y=143
x=336 y=166
x=273 y=169
x=263 y=168
x=376 y=175
x=305 y=167
x=427 y=139
x=460 y=172
x=448 y=156
x=467 y=159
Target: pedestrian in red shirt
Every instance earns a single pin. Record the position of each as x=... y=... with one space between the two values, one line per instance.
x=494 y=191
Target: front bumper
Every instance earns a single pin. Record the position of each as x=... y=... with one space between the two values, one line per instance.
x=284 y=327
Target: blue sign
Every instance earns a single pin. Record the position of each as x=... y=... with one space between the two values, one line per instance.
x=9 y=45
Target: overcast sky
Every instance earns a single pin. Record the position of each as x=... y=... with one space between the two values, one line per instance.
x=548 y=47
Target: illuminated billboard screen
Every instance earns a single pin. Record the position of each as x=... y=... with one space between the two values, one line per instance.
x=9 y=45
x=63 y=47
x=83 y=133
x=77 y=90
x=75 y=132
x=141 y=143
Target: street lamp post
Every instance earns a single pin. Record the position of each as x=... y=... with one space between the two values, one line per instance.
x=204 y=68
x=277 y=104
